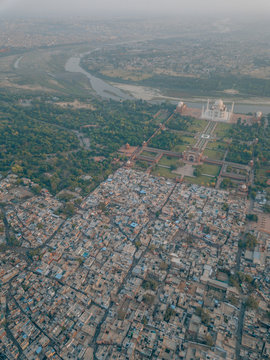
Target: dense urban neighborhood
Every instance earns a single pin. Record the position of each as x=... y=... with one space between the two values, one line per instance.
x=143 y=268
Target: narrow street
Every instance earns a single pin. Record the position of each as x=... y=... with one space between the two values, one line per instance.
x=240 y=329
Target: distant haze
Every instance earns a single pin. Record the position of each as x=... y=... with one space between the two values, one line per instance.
x=136 y=7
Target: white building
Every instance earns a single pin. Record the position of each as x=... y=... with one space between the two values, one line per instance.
x=217 y=111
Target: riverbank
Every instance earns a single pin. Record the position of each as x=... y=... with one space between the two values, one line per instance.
x=149 y=94
x=102 y=88
x=120 y=91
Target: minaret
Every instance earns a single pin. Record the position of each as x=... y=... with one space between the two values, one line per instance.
x=231 y=114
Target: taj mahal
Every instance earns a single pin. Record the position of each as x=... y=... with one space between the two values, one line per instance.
x=217 y=111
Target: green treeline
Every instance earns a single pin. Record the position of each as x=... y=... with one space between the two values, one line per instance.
x=41 y=141
x=166 y=140
x=179 y=122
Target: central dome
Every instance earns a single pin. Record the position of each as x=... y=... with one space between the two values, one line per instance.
x=219 y=103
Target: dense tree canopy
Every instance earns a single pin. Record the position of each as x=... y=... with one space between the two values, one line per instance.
x=42 y=141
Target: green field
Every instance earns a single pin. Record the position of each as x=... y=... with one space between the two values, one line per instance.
x=212 y=170
x=188 y=140
x=222 y=130
x=197 y=125
x=216 y=145
x=231 y=169
x=213 y=154
x=168 y=161
x=179 y=148
x=149 y=154
x=262 y=175
x=200 y=180
x=165 y=172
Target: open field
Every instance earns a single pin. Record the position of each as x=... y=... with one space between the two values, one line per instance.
x=168 y=161
x=180 y=148
x=188 y=140
x=234 y=170
x=216 y=145
x=165 y=172
x=212 y=170
x=222 y=130
x=149 y=154
x=262 y=175
x=213 y=154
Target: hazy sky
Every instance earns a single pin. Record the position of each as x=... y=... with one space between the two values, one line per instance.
x=90 y=7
